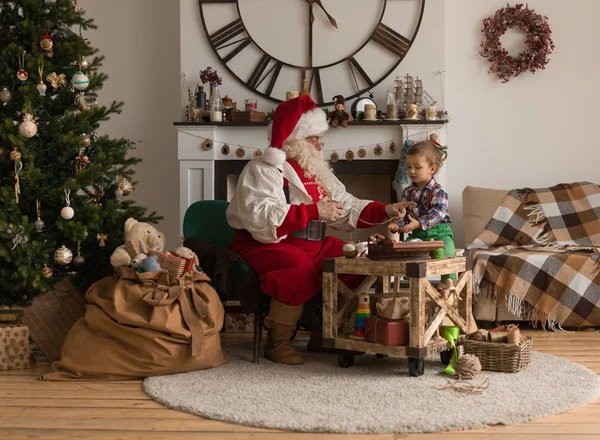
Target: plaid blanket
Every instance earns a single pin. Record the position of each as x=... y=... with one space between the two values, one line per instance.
x=540 y=254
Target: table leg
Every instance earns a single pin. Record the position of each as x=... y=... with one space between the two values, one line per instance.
x=330 y=325
x=417 y=312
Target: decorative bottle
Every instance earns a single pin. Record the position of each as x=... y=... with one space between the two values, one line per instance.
x=200 y=98
x=215 y=107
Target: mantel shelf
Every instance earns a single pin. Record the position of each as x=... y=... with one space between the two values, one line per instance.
x=380 y=123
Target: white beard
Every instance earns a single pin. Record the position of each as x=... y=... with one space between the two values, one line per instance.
x=312 y=161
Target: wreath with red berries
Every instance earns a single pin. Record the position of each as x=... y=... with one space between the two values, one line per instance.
x=538 y=41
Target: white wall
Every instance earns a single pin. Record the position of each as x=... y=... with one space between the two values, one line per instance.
x=535 y=130
x=140 y=39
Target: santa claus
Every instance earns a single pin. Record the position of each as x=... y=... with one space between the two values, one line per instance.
x=283 y=204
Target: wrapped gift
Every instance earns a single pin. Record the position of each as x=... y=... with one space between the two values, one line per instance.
x=386 y=331
x=14 y=346
x=393 y=308
x=173 y=263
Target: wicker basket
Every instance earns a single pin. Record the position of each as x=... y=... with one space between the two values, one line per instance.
x=506 y=358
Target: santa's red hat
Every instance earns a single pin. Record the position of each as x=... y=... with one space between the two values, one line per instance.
x=294 y=120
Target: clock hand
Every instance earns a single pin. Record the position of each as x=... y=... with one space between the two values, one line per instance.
x=331 y=19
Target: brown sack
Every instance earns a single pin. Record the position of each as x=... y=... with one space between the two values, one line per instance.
x=144 y=324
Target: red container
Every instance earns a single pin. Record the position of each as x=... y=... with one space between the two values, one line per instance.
x=386 y=331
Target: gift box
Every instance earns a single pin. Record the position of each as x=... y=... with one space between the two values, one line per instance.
x=14 y=346
x=173 y=263
x=386 y=331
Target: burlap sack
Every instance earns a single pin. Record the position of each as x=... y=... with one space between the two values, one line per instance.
x=144 y=324
x=393 y=307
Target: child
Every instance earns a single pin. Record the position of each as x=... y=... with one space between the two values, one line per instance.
x=429 y=220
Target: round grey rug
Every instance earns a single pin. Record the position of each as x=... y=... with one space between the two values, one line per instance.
x=373 y=396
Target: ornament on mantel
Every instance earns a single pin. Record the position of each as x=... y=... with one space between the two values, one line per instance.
x=125 y=186
x=207 y=145
x=67 y=212
x=334 y=157
x=362 y=153
x=39 y=223
x=46 y=272
x=240 y=152
x=258 y=153
x=22 y=74
x=63 y=255
x=225 y=150
x=377 y=150
x=392 y=147
x=349 y=155
x=80 y=81
x=5 y=96
x=28 y=128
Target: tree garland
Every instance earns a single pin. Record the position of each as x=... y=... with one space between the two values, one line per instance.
x=539 y=42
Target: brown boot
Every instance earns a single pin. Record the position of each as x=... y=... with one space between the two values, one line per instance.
x=281 y=322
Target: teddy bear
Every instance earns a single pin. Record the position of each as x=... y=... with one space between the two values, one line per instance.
x=140 y=237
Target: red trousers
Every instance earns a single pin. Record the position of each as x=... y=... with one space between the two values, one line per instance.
x=290 y=271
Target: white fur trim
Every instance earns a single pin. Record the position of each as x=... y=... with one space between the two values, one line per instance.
x=311 y=123
x=274 y=156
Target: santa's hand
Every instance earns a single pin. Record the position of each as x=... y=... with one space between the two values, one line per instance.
x=397 y=211
x=412 y=225
x=329 y=210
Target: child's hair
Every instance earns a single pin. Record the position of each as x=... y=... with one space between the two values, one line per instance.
x=429 y=150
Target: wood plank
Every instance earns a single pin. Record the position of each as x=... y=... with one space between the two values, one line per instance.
x=188 y=425
x=435 y=324
x=417 y=312
x=347 y=309
x=452 y=313
x=59 y=394
x=79 y=403
x=330 y=289
x=347 y=292
x=70 y=386
x=99 y=413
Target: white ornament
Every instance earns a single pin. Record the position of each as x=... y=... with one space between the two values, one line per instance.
x=84 y=63
x=67 y=213
x=41 y=88
x=80 y=81
x=119 y=194
x=63 y=255
x=39 y=224
x=349 y=250
x=28 y=128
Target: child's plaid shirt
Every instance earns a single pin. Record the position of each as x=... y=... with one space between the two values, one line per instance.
x=432 y=204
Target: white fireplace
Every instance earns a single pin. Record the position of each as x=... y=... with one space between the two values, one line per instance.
x=206 y=172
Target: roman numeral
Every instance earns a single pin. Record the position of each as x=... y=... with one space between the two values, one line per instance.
x=258 y=74
x=391 y=40
x=316 y=79
x=354 y=65
x=225 y=37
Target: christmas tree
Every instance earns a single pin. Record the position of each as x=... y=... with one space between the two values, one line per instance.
x=60 y=184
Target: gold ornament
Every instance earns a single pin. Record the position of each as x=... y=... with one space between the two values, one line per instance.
x=102 y=239
x=83 y=63
x=349 y=155
x=63 y=255
x=22 y=74
x=5 y=96
x=15 y=155
x=57 y=80
x=377 y=150
x=85 y=140
x=334 y=157
x=46 y=271
x=125 y=186
x=81 y=162
x=392 y=148
x=362 y=153
x=225 y=150
x=240 y=152
x=46 y=43
x=207 y=145
x=258 y=153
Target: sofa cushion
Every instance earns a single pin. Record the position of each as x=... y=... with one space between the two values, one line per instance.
x=479 y=204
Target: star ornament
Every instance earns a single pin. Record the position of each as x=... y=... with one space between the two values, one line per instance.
x=57 y=80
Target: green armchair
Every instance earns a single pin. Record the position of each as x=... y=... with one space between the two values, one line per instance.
x=206 y=221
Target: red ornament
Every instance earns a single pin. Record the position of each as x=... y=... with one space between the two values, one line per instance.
x=538 y=41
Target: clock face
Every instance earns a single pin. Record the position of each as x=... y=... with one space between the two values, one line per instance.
x=341 y=47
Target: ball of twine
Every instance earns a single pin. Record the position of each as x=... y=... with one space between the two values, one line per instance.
x=467 y=367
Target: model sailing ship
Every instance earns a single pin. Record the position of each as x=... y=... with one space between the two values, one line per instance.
x=410 y=96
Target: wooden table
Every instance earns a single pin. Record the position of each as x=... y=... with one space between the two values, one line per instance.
x=421 y=341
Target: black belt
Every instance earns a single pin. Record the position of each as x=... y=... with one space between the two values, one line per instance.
x=315 y=231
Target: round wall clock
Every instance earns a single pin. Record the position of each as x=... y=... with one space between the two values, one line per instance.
x=341 y=47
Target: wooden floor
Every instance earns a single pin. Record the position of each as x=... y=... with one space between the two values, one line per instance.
x=32 y=409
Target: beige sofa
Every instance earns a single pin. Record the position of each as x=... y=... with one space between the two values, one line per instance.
x=479 y=204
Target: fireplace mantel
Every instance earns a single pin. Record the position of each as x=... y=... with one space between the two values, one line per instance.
x=203 y=172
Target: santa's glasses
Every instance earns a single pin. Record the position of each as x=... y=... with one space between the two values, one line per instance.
x=316 y=141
